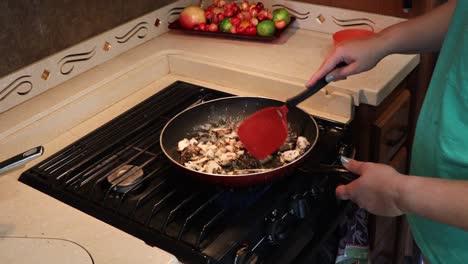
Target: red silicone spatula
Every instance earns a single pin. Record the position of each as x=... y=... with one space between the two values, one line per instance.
x=266 y=130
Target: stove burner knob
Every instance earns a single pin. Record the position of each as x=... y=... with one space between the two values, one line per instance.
x=300 y=207
x=278 y=227
x=346 y=150
x=245 y=256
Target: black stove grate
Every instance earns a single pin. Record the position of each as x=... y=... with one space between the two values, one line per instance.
x=197 y=222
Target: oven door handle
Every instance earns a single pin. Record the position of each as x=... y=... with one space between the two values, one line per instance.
x=20 y=159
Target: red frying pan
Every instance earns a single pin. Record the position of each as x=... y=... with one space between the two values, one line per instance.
x=238 y=108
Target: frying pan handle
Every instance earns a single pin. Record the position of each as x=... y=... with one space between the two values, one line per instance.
x=345 y=175
x=295 y=100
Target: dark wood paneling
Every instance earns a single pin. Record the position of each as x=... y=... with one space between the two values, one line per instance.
x=384 y=7
x=32 y=30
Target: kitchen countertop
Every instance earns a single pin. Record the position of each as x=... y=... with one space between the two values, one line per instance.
x=69 y=111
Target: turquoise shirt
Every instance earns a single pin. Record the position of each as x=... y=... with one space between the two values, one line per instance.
x=440 y=147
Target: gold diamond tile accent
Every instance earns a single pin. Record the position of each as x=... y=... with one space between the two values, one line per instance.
x=157 y=23
x=107 y=46
x=320 y=19
x=45 y=74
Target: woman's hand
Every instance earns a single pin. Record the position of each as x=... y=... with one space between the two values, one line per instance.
x=377 y=189
x=360 y=55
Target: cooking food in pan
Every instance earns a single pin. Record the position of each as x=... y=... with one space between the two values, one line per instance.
x=195 y=121
x=216 y=149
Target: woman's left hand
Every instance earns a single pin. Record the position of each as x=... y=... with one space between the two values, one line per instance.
x=377 y=189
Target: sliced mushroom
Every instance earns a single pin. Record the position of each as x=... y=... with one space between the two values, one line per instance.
x=226 y=158
x=221 y=131
x=212 y=167
x=289 y=155
x=302 y=144
x=183 y=144
x=192 y=165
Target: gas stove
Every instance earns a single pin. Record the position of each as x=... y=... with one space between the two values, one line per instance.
x=118 y=174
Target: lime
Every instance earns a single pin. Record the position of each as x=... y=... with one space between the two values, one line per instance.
x=225 y=25
x=266 y=28
x=281 y=14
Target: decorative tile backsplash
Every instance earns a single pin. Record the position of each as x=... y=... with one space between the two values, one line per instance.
x=42 y=75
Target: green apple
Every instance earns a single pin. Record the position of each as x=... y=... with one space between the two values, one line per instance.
x=266 y=28
x=281 y=14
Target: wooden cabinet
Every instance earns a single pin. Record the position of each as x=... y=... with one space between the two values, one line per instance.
x=383 y=134
x=391 y=128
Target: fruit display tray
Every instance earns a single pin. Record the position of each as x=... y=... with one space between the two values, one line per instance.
x=176 y=26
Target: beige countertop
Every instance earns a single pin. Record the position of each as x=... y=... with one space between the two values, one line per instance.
x=69 y=111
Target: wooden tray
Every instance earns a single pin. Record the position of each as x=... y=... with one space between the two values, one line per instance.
x=176 y=26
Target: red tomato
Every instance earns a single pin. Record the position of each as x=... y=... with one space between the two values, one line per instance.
x=244 y=6
x=235 y=21
x=228 y=12
x=240 y=29
x=213 y=27
x=209 y=14
x=219 y=17
x=202 y=26
x=251 y=30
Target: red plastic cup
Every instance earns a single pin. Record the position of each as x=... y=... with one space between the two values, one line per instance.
x=348 y=34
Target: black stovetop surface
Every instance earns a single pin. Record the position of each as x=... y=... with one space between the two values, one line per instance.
x=282 y=222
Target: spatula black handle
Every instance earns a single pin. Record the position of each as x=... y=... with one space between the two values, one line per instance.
x=293 y=101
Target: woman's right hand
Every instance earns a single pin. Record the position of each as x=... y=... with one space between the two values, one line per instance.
x=360 y=55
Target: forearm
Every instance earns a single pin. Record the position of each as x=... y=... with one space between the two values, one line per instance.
x=441 y=200
x=421 y=34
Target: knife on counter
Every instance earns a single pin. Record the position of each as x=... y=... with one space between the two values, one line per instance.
x=20 y=159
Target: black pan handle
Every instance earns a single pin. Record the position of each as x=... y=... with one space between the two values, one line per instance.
x=339 y=171
x=344 y=174
x=295 y=100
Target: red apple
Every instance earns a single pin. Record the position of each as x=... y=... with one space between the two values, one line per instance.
x=192 y=16
x=260 y=6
